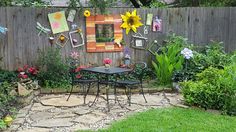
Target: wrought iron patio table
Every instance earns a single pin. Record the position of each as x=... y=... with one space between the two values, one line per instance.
x=112 y=71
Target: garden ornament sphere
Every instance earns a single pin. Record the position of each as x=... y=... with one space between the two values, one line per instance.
x=8 y=120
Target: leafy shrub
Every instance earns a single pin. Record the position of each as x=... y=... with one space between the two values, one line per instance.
x=169 y=60
x=54 y=72
x=8 y=76
x=7 y=101
x=214 y=89
x=211 y=55
x=2 y=124
x=156 y=4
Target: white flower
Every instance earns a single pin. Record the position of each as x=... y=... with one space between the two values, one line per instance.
x=187 y=53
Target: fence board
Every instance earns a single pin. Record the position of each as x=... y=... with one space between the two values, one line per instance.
x=200 y=25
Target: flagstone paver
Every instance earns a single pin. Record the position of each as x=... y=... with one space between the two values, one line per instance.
x=52 y=113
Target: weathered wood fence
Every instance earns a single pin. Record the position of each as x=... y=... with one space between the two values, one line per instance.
x=200 y=25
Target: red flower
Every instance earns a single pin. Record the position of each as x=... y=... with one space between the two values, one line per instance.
x=24 y=76
x=33 y=70
x=78 y=76
x=20 y=69
x=107 y=61
x=78 y=69
x=25 y=67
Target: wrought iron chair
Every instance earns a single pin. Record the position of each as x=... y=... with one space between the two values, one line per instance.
x=138 y=81
x=79 y=79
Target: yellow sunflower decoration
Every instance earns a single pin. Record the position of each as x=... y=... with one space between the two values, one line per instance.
x=131 y=21
x=87 y=13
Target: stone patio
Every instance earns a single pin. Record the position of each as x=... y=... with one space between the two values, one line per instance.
x=52 y=113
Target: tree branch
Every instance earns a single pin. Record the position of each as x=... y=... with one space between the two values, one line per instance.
x=135 y=3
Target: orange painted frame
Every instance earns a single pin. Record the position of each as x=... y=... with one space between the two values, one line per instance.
x=92 y=45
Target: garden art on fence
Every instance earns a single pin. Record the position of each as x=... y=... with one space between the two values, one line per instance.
x=206 y=76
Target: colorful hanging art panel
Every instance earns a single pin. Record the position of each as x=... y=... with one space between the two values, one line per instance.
x=157 y=25
x=103 y=32
x=58 y=22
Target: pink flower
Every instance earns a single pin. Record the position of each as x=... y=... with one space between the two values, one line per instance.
x=107 y=61
x=74 y=55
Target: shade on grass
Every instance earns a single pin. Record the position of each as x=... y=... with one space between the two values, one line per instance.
x=175 y=119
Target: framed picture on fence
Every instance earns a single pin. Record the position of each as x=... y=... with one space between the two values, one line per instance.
x=102 y=31
x=139 y=42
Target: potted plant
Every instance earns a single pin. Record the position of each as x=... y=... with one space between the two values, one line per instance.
x=107 y=62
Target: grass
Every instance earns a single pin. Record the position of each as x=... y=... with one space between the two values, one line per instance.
x=175 y=120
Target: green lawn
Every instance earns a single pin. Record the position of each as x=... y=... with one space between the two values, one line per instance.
x=175 y=119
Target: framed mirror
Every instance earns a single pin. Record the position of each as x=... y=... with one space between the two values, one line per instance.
x=101 y=33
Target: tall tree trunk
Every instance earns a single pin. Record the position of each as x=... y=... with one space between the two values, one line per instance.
x=146 y=2
x=135 y=3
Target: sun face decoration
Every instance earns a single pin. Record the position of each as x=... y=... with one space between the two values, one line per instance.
x=131 y=21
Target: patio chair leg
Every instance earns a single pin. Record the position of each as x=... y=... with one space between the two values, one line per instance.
x=70 y=92
x=115 y=94
x=85 y=94
x=129 y=96
x=97 y=95
x=107 y=91
x=143 y=93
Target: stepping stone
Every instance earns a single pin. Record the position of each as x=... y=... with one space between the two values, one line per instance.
x=35 y=130
x=81 y=111
x=65 y=115
x=41 y=116
x=40 y=107
x=49 y=123
x=88 y=119
x=61 y=102
x=79 y=127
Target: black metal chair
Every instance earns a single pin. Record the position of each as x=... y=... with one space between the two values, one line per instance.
x=85 y=80
x=137 y=81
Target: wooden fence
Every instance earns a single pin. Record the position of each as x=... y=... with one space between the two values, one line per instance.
x=200 y=25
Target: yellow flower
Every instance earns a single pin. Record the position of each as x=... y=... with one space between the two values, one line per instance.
x=131 y=21
x=87 y=13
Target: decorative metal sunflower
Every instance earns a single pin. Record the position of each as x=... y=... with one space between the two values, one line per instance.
x=131 y=21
